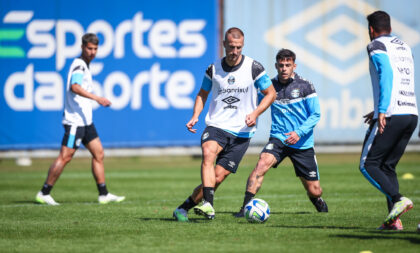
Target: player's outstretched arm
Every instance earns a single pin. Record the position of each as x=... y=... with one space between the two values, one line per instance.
x=200 y=101
x=76 y=88
x=269 y=97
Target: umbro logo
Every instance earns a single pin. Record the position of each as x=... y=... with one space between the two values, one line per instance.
x=231 y=100
x=312 y=173
x=232 y=164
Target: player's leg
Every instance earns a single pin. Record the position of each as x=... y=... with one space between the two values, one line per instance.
x=408 y=124
x=306 y=168
x=93 y=144
x=270 y=156
x=68 y=148
x=212 y=140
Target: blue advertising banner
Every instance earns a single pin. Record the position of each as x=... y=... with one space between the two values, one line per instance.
x=150 y=63
x=329 y=38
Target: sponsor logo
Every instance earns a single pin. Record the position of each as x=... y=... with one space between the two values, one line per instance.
x=403 y=103
x=233 y=90
x=231 y=164
x=78 y=141
x=295 y=93
x=231 y=100
x=312 y=173
x=231 y=80
x=404 y=70
x=397 y=41
x=407 y=93
x=205 y=136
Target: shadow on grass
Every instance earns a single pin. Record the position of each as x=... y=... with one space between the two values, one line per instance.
x=321 y=227
x=233 y=213
x=190 y=220
x=386 y=235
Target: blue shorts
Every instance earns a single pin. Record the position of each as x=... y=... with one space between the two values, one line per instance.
x=304 y=160
x=75 y=135
x=234 y=147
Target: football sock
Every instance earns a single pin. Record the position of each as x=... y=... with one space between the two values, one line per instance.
x=208 y=193
x=396 y=198
x=46 y=188
x=102 y=189
x=313 y=200
x=247 y=198
x=188 y=204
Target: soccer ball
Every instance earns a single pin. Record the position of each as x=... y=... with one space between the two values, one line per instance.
x=257 y=210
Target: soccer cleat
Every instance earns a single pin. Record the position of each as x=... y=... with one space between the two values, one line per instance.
x=240 y=214
x=205 y=209
x=45 y=199
x=397 y=225
x=321 y=205
x=105 y=199
x=180 y=215
x=399 y=208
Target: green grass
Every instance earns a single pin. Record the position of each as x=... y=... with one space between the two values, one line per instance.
x=155 y=186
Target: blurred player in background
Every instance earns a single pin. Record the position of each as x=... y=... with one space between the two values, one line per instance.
x=394 y=118
x=231 y=119
x=294 y=114
x=78 y=125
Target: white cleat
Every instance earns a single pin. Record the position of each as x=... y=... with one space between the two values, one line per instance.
x=45 y=199
x=105 y=199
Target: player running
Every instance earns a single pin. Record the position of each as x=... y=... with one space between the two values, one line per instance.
x=395 y=114
x=231 y=119
x=294 y=114
x=78 y=125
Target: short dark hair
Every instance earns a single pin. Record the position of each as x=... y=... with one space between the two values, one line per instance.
x=90 y=38
x=235 y=32
x=380 y=21
x=285 y=54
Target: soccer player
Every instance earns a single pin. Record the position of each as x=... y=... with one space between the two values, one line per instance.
x=294 y=114
x=231 y=119
x=78 y=125
x=394 y=118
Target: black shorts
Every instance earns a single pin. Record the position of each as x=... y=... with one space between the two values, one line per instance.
x=74 y=135
x=304 y=160
x=234 y=147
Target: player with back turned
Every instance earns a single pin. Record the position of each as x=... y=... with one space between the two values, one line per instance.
x=231 y=120
x=394 y=118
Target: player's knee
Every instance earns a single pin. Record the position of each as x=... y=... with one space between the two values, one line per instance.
x=99 y=155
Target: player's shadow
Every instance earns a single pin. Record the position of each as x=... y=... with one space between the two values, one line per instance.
x=294 y=213
x=385 y=235
x=319 y=227
x=190 y=220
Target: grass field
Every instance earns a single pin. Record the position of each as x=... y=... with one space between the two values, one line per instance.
x=155 y=186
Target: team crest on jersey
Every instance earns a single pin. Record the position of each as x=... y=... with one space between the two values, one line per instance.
x=231 y=80
x=205 y=136
x=295 y=93
x=269 y=146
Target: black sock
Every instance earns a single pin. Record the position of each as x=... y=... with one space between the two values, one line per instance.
x=188 y=204
x=313 y=200
x=396 y=198
x=102 y=189
x=46 y=188
x=208 y=193
x=247 y=198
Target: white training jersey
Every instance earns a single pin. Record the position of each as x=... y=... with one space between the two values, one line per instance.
x=391 y=68
x=234 y=94
x=78 y=109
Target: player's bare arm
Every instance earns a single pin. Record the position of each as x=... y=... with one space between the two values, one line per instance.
x=381 y=122
x=76 y=88
x=200 y=101
x=269 y=97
